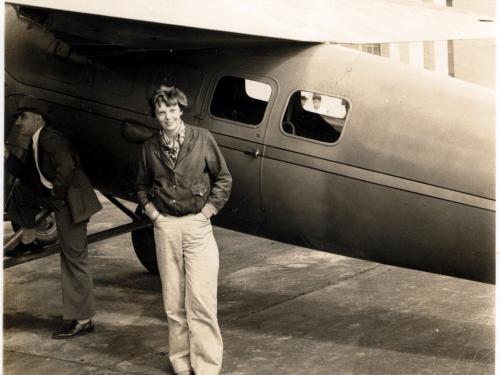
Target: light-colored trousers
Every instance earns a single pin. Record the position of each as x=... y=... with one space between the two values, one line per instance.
x=188 y=261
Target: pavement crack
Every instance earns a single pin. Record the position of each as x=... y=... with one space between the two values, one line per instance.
x=334 y=283
x=86 y=364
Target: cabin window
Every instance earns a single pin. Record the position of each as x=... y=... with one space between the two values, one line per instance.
x=241 y=100
x=315 y=116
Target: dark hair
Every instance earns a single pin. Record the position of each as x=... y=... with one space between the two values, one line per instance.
x=316 y=96
x=170 y=96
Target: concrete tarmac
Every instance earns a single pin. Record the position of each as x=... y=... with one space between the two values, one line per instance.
x=282 y=310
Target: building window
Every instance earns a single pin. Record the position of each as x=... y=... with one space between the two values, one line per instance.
x=374 y=49
x=315 y=116
x=241 y=100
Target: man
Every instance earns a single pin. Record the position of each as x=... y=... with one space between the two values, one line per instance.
x=51 y=177
x=182 y=181
x=303 y=101
x=317 y=104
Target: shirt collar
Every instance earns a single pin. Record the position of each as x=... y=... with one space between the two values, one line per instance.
x=35 y=136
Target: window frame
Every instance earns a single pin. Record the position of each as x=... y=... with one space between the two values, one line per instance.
x=316 y=141
x=244 y=75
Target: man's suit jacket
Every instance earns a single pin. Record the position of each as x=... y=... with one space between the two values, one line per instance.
x=60 y=164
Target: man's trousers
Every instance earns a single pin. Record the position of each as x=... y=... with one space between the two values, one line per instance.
x=76 y=277
x=188 y=261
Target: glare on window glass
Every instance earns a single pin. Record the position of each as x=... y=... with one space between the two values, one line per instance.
x=258 y=90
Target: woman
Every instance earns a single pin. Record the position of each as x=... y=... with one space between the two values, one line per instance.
x=182 y=181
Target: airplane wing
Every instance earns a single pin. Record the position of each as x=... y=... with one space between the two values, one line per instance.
x=316 y=21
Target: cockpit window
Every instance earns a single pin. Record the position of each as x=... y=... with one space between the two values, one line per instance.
x=239 y=99
x=315 y=116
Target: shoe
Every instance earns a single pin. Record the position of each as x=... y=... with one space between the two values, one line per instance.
x=72 y=329
x=22 y=249
x=185 y=373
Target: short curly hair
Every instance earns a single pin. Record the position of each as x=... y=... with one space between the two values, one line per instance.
x=170 y=96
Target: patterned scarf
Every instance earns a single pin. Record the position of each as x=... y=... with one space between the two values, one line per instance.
x=171 y=146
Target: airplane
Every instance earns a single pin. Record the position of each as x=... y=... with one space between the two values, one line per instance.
x=397 y=167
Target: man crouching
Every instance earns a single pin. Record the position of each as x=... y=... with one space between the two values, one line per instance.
x=52 y=177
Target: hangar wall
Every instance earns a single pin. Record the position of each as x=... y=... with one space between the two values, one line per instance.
x=469 y=60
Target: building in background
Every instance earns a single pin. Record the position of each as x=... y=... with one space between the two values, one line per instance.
x=469 y=60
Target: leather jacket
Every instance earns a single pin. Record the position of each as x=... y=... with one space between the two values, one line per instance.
x=199 y=176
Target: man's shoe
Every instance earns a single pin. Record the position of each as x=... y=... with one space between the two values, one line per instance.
x=72 y=329
x=22 y=249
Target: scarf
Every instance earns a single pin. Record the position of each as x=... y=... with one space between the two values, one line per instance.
x=171 y=146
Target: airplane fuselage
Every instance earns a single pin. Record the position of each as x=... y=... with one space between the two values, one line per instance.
x=409 y=182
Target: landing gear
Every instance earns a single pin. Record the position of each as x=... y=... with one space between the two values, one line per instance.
x=45 y=230
x=144 y=245
x=142 y=234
